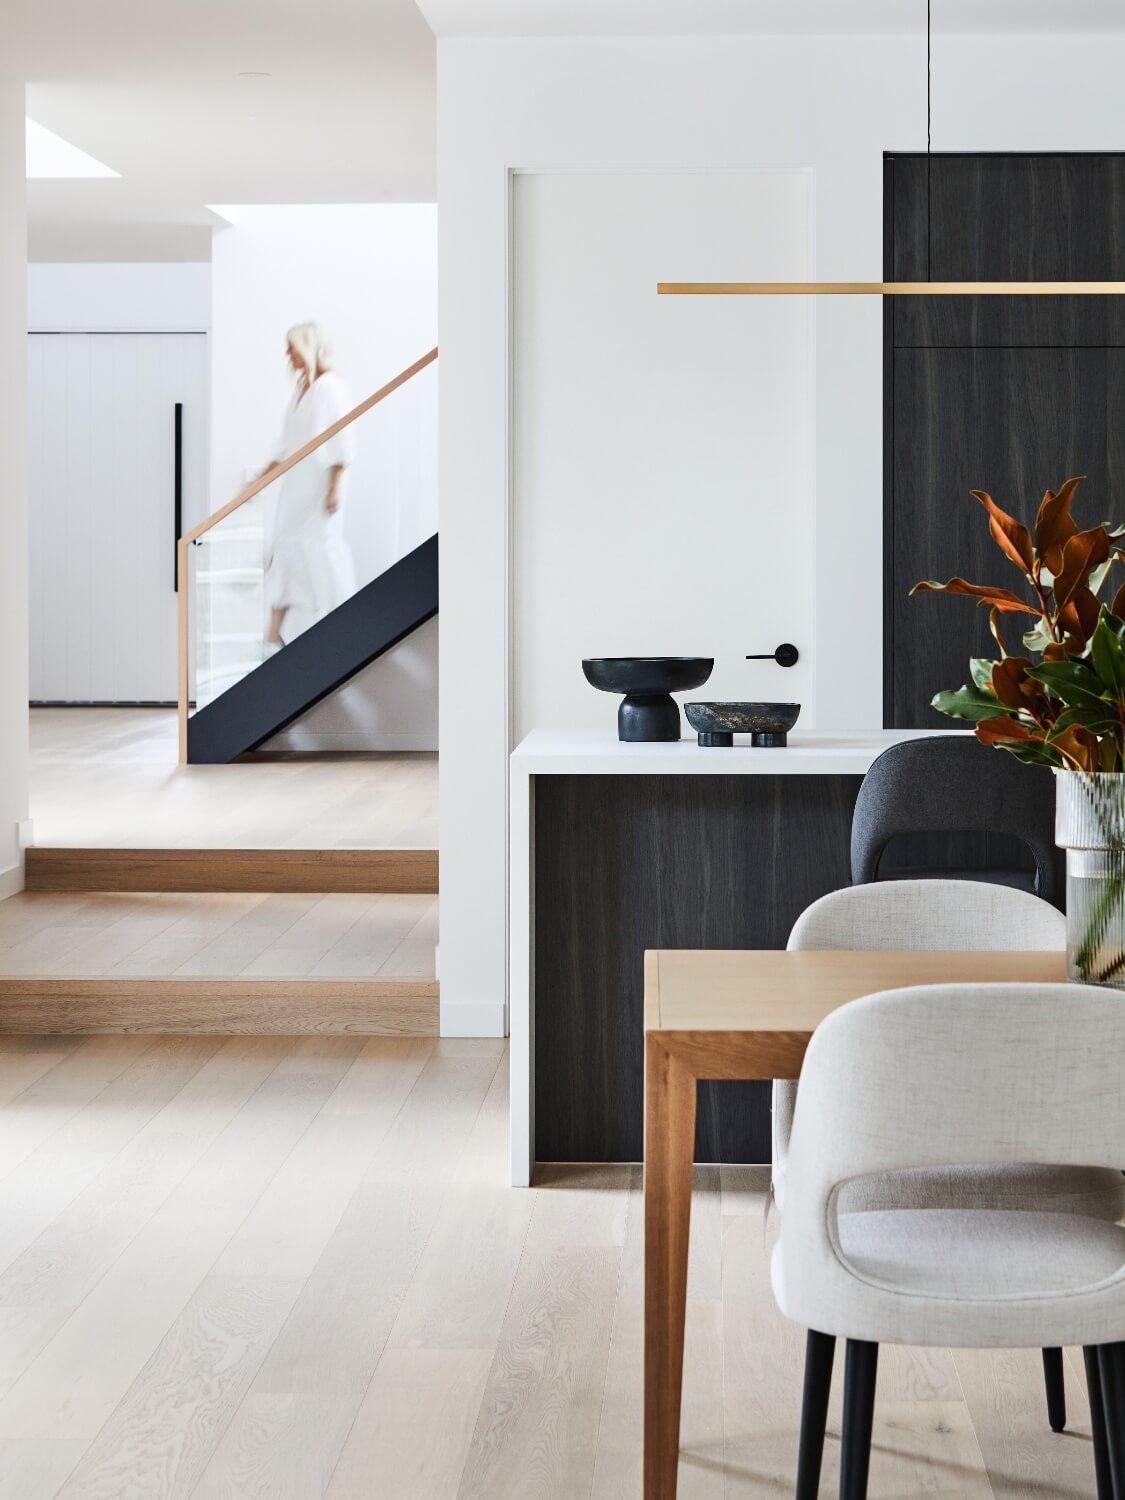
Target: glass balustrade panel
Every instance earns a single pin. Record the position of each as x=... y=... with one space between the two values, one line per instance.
x=278 y=563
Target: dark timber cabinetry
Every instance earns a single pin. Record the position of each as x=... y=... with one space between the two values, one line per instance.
x=625 y=863
x=1004 y=394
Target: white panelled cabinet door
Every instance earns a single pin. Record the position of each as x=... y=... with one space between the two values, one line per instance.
x=102 y=513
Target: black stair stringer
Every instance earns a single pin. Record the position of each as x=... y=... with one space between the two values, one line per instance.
x=374 y=619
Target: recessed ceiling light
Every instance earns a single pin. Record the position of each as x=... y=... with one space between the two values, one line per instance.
x=251 y=74
x=48 y=155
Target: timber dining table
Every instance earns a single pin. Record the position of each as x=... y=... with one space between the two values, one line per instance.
x=742 y=1014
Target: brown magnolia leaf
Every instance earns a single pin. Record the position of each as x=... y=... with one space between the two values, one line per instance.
x=1060 y=650
x=1011 y=684
x=1079 y=618
x=1084 y=552
x=1118 y=603
x=1010 y=535
x=1054 y=525
x=1079 y=746
x=1004 y=727
x=1001 y=599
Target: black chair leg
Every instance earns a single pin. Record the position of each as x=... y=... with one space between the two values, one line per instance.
x=819 y=1352
x=1111 y=1367
x=860 y=1367
x=1097 y=1423
x=1056 y=1390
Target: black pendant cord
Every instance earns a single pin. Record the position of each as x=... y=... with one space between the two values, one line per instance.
x=929 y=136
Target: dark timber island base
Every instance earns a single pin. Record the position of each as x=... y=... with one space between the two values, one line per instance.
x=629 y=862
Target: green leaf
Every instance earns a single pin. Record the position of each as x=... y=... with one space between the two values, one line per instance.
x=981 y=668
x=1033 y=753
x=968 y=703
x=1107 y=652
x=1038 y=638
x=1072 y=681
x=1098 y=576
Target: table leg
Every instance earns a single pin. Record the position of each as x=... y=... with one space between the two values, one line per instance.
x=670 y=1091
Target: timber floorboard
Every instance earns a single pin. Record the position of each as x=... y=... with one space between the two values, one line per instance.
x=292 y=1267
x=108 y=778
x=217 y=935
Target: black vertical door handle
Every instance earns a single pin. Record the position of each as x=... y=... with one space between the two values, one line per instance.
x=177 y=493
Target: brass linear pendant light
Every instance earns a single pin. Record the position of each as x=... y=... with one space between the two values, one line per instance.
x=925 y=288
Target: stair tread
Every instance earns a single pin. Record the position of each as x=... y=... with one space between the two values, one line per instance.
x=326 y=939
x=406 y=871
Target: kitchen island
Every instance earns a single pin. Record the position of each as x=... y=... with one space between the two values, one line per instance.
x=617 y=848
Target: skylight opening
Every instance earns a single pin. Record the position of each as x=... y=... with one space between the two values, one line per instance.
x=48 y=155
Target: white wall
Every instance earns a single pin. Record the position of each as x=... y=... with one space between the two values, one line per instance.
x=119 y=297
x=368 y=274
x=13 y=496
x=831 y=105
x=661 y=497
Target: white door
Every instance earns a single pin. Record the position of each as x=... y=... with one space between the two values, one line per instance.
x=102 y=521
x=662 y=493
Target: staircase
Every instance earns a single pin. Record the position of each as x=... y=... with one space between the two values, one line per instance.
x=86 y=981
x=241 y=696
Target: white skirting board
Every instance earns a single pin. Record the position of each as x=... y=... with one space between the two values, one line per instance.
x=12 y=876
x=479 y=1018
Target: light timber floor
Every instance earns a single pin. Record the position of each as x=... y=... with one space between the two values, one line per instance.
x=220 y=936
x=291 y=1268
x=108 y=777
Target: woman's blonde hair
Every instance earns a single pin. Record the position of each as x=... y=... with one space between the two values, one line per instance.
x=310 y=343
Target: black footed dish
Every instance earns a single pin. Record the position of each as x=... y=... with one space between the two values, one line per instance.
x=716 y=724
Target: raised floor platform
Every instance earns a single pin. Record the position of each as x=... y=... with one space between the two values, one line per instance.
x=219 y=963
x=108 y=777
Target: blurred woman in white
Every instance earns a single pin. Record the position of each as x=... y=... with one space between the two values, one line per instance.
x=309 y=568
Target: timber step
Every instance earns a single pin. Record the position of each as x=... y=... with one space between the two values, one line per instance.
x=225 y=1007
x=300 y=871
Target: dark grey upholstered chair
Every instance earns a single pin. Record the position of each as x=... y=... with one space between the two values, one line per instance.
x=952 y=784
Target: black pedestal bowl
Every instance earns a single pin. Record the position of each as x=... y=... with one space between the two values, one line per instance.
x=648 y=711
x=768 y=724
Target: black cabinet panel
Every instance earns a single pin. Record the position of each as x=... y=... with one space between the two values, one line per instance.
x=1008 y=218
x=1010 y=421
x=625 y=863
x=1004 y=394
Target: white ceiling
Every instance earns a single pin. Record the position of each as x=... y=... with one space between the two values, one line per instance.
x=778 y=17
x=151 y=88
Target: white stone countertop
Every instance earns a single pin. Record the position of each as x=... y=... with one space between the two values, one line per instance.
x=593 y=752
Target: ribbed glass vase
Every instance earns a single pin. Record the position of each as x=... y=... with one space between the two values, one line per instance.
x=1090 y=826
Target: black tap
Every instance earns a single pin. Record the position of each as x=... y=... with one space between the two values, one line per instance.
x=785 y=655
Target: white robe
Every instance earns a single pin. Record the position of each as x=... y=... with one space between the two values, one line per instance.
x=310 y=569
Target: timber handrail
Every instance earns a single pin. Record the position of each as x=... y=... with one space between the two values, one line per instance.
x=248 y=493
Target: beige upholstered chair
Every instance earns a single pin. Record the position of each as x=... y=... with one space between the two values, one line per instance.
x=948 y=916
x=948 y=1079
